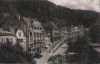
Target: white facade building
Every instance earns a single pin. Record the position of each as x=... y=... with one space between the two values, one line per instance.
x=6 y=36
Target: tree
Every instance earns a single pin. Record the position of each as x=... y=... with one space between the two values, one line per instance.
x=81 y=52
x=57 y=59
x=95 y=32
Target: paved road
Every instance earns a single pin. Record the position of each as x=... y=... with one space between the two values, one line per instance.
x=44 y=59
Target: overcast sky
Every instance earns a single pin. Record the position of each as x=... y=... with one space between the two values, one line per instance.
x=79 y=4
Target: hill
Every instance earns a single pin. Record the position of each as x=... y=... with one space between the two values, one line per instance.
x=46 y=12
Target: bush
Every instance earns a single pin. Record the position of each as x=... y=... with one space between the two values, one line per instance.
x=57 y=59
x=84 y=53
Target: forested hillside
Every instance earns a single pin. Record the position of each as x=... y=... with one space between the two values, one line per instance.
x=45 y=11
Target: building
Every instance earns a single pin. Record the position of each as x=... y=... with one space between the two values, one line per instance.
x=35 y=35
x=39 y=44
x=55 y=34
x=6 y=37
x=78 y=30
x=21 y=39
x=74 y=30
x=63 y=32
x=47 y=40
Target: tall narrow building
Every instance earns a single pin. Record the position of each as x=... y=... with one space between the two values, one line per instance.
x=35 y=35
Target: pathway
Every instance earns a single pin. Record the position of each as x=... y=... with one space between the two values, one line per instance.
x=45 y=55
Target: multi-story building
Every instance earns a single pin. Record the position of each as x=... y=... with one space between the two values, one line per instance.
x=38 y=33
x=7 y=37
x=35 y=35
x=53 y=33
x=56 y=33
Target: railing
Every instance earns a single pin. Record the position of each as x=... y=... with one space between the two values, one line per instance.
x=52 y=46
x=61 y=43
x=56 y=45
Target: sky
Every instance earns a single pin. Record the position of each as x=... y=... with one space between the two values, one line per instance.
x=93 y=5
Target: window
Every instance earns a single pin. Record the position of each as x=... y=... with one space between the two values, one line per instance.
x=35 y=44
x=31 y=39
x=40 y=35
x=31 y=45
x=40 y=28
x=11 y=40
x=37 y=35
x=31 y=34
x=35 y=27
x=2 y=39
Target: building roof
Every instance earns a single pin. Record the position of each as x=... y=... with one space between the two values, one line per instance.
x=5 y=33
